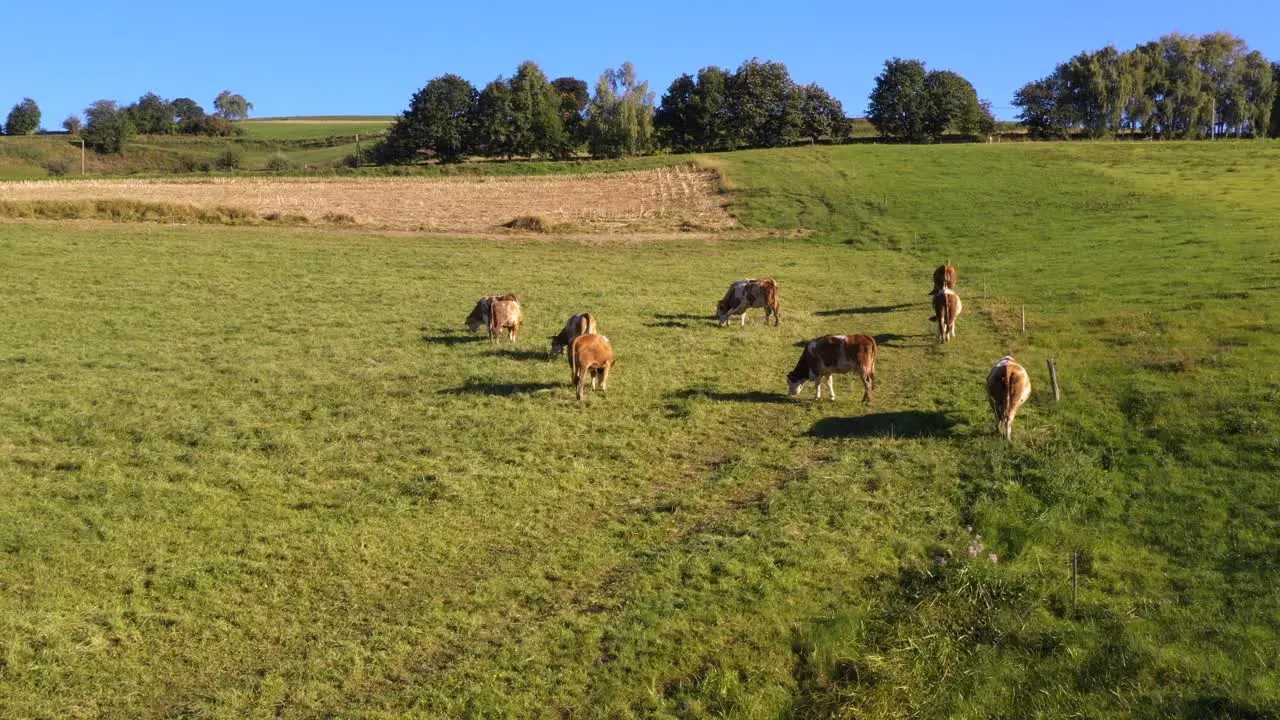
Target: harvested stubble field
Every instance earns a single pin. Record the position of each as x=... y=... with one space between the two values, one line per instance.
x=660 y=200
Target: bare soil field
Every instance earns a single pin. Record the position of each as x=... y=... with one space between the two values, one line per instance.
x=662 y=200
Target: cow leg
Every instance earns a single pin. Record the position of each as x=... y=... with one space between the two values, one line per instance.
x=580 y=381
x=867 y=381
x=604 y=378
x=831 y=387
x=595 y=377
x=819 y=383
x=743 y=318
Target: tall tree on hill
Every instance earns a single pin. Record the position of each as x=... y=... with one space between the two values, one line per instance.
x=438 y=121
x=492 y=123
x=899 y=100
x=107 y=127
x=152 y=115
x=188 y=114
x=230 y=106
x=574 y=96
x=1260 y=92
x=1038 y=101
x=24 y=118
x=620 y=116
x=822 y=115
x=1275 y=105
x=950 y=103
x=72 y=124
x=535 y=112
x=765 y=106
x=694 y=113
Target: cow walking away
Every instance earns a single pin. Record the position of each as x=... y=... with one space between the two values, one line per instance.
x=744 y=294
x=497 y=313
x=946 y=308
x=582 y=324
x=590 y=354
x=830 y=354
x=1008 y=386
x=944 y=276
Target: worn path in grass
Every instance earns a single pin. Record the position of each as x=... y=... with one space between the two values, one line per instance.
x=255 y=471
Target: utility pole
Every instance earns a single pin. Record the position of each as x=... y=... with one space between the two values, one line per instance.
x=357 y=150
x=81 y=157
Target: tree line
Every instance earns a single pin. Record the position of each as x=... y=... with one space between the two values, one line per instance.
x=107 y=126
x=1179 y=86
x=528 y=115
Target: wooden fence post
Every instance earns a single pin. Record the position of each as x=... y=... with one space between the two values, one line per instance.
x=1053 y=376
x=1024 y=319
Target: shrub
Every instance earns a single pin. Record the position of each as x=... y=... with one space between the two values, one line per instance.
x=530 y=223
x=191 y=163
x=278 y=162
x=230 y=159
x=59 y=166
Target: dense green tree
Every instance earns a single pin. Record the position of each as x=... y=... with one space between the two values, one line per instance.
x=72 y=124
x=1039 y=108
x=822 y=115
x=951 y=103
x=765 y=108
x=24 y=118
x=231 y=106
x=899 y=100
x=107 y=127
x=1275 y=105
x=986 y=119
x=492 y=124
x=694 y=114
x=152 y=115
x=574 y=96
x=620 y=116
x=537 y=128
x=188 y=114
x=1259 y=94
x=438 y=121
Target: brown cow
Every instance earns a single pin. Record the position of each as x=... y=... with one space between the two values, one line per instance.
x=590 y=354
x=946 y=308
x=944 y=276
x=749 y=293
x=583 y=324
x=495 y=313
x=831 y=354
x=1008 y=386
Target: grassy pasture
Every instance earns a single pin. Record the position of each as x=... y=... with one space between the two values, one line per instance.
x=310 y=128
x=254 y=471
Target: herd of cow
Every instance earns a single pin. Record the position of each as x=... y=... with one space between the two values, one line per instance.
x=591 y=354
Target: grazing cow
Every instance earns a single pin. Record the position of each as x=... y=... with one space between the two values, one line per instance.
x=946 y=308
x=831 y=354
x=1008 y=386
x=745 y=294
x=944 y=276
x=583 y=324
x=590 y=354
x=497 y=312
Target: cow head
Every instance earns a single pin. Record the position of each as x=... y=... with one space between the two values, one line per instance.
x=722 y=310
x=796 y=380
x=559 y=343
x=479 y=316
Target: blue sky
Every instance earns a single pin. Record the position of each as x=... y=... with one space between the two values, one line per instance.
x=315 y=58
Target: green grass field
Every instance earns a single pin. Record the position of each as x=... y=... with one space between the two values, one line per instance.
x=254 y=472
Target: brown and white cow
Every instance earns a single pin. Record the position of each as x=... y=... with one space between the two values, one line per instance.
x=749 y=293
x=590 y=354
x=582 y=324
x=946 y=308
x=831 y=354
x=496 y=313
x=1008 y=386
x=944 y=276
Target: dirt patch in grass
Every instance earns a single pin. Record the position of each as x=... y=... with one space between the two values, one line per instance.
x=661 y=200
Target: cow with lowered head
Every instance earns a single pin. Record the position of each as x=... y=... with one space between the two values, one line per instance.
x=823 y=358
x=581 y=324
x=497 y=313
x=749 y=293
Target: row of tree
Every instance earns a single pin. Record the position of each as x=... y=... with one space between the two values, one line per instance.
x=106 y=125
x=1179 y=86
x=528 y=115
